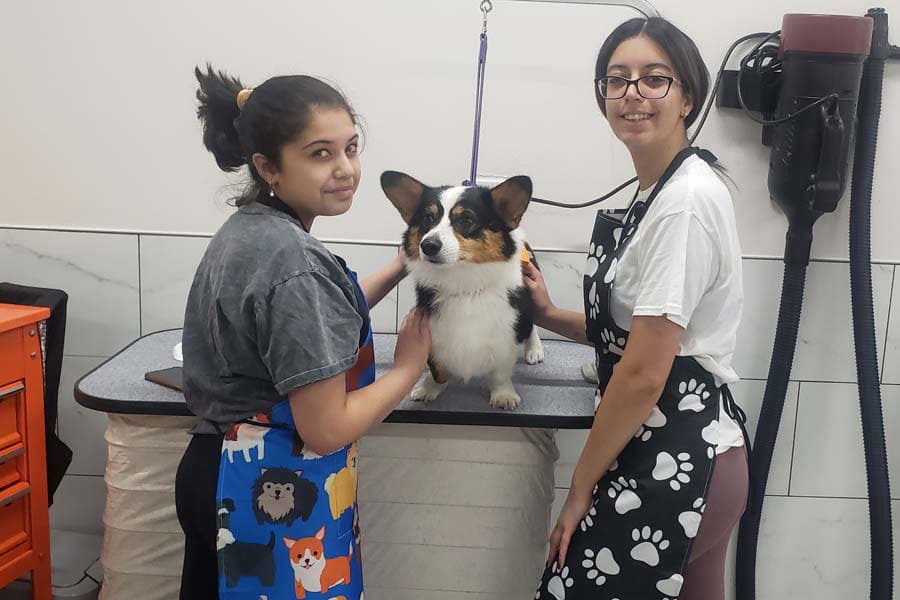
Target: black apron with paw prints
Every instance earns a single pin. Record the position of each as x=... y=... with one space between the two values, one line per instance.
x=634 y=542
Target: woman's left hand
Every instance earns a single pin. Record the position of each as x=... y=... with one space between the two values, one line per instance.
x=576 y=507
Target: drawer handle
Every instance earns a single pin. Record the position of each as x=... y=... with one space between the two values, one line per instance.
x=15 y=493
x=12 y=389
x=18 y=450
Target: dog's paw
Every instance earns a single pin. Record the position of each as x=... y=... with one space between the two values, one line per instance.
x=534 y=355
x=505 y=399
x=426 y=391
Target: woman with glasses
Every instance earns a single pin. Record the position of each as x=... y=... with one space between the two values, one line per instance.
x=663 y=478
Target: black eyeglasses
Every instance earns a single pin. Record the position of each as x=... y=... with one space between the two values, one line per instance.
x=651 y=87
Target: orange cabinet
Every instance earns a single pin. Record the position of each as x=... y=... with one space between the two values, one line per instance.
x=24 y=517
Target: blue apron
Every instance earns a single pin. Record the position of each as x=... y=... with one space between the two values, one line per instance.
x=287 y=518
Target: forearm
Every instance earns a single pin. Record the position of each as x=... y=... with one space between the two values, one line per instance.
x=378 y=285
x=341 y=418
x=568 y=323
x=626 y=404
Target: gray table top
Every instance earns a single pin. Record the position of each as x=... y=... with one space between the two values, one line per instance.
x=554 y=394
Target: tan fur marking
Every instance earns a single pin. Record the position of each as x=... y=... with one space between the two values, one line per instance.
x=486 y=250
x=413 y=238
x=437 y=372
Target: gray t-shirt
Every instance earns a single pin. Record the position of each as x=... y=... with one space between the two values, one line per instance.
x=270 y=310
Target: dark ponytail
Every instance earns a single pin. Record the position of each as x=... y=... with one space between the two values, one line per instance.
x=274 y=114
x=217 y=111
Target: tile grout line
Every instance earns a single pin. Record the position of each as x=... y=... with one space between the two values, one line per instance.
x=794 y=440
x=887 y=327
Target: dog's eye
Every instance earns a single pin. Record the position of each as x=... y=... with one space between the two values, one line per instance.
x=289 y=488
x=267 y=486
x=465 y=222
x=428 y=220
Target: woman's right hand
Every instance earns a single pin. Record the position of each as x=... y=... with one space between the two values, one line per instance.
x=413 y=342
x=537 y=287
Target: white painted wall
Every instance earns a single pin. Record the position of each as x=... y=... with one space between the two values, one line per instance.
x=100 y=105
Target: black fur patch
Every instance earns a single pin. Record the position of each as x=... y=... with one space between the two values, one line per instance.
x=425 y=297
x=474 y=214
x=520 y=300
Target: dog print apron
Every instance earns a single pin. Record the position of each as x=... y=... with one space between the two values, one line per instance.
x=635 y=540
x=287 y=518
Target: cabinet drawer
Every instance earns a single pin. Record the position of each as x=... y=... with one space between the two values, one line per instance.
x=12 y=462
x=14 y=516
x=12 y=403
x=12 y=357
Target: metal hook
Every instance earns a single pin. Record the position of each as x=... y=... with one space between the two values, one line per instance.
x=486 y=6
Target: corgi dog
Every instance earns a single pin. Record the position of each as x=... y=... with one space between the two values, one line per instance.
x=341 y=486
x=464 y=250
x=242 y=437
x=312 y=571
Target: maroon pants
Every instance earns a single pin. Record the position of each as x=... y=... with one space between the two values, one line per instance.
x=726 y=499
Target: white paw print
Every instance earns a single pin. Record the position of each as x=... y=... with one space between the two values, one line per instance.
x=588 y=521
x=610 y=344
x=599 y=565
x=594 y=300
x=649 y=545
x=611 y=271
x=656 y=420
x=671 y=586
x=623 y=492
x=710 y=433
x=612 y=467
x=693 y=395
x=558 y=584
x=596 y=257
x=690 y=519
x=676 y=471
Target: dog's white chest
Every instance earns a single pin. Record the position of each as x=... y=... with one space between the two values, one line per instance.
x=472 y=334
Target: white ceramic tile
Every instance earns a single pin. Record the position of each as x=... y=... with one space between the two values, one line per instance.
x=564 y=274
x=78 y=505
x=828 y=451
x=815 y=548
x=366 y=260
x=559 y=498
x=749 y=395
x=167 y=270
x=891 y=366
x=99 y=272
x=82 y=429
x=570 y=443
x=825 y=340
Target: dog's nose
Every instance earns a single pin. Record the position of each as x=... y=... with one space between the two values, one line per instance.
x=431 y=246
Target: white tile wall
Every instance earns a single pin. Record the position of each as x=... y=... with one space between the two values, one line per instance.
x=814 y=534
x=98 y=271
x=78 y=504
x=828 y=450
x=891 y=364
x=167 y=270
x=81 y=428
x=825 y=341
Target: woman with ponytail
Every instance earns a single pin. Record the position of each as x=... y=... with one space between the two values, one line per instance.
x=278 y=358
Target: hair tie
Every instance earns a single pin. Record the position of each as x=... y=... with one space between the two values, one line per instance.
x=243 y=96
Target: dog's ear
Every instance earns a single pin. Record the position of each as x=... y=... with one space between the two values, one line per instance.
x=289 y=542
x=404 y=192
x=511 y=198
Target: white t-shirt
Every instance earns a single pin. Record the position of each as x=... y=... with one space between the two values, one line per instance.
x=684 y=262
